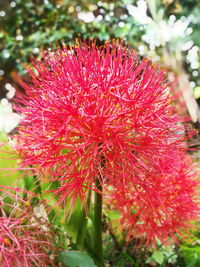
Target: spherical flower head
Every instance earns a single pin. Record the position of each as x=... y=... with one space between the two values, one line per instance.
x=99 y=113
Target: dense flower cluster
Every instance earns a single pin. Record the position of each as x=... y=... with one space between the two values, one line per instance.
x=159 y=206
x=24 y=241
x=103 y=113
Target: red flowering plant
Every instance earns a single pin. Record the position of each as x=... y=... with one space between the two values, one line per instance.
x=25 y=238
x=100 y=119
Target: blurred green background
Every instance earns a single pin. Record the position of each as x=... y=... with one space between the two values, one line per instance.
x=167 y=31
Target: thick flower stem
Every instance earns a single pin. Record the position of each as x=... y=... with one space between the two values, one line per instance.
x=98 y=245
x=82 y=230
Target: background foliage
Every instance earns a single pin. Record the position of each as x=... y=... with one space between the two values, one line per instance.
x=165 y=30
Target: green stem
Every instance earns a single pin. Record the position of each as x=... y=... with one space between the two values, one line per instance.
x=82 y=229
x=98 y=245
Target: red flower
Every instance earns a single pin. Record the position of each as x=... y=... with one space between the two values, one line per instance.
x=160 y=206
x=24 y=238
x=102 y=112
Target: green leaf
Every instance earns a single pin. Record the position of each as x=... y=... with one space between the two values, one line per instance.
x=76 y=259
x=191 y=255
x=149 y=260
x=129 y=259
x=197 y=92
x=158 y=257
x=114 y=219
x=7 y=161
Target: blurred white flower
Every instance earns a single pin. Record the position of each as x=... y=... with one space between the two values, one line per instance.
x=139 y=12
x=8 y=119
x=193 y=58
x=165 y=31
x=159 y=32
x=86 y=16
x=11 y=91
